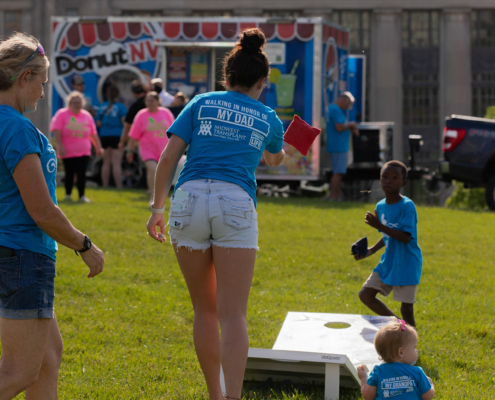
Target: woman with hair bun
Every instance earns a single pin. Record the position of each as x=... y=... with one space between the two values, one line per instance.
x=213 y=220
x=31 y=225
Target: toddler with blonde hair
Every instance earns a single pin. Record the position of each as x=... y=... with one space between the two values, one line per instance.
x=396 y=377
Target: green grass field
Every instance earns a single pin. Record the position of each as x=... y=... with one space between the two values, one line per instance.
x=128 y=332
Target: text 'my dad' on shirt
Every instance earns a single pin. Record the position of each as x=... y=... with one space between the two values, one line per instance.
x=227 y=133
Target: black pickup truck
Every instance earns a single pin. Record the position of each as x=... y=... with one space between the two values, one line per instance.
x=469 y=153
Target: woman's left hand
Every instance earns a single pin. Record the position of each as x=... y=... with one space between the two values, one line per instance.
x=157 y=220
x=100 y=151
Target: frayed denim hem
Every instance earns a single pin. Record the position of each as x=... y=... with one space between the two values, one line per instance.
x=190 y=248
x=223 y=246
x=204 y=247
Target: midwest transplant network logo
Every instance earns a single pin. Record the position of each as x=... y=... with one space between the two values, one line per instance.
x=205 y=128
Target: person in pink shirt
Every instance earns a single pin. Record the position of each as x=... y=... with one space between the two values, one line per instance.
x=150 y=130
x=75 y=130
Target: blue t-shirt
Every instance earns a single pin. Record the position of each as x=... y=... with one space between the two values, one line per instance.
x=111 y=119
x=401 y=263
x=337 y=142
x=19 y=137
x=399 y=381
x=226 y=133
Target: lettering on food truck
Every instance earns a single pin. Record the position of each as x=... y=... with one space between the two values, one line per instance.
x=142 y=50
x=102 y=57
x=66 y=64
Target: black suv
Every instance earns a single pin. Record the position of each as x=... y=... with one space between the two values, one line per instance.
x=469 y=153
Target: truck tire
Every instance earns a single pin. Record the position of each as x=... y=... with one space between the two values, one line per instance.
x=490 y=193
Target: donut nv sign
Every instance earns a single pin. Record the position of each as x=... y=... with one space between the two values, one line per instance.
x=95 y=50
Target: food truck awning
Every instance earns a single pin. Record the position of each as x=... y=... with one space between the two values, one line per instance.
x=194 y=44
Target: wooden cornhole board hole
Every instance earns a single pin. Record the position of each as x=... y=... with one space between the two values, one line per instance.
x=318 y=348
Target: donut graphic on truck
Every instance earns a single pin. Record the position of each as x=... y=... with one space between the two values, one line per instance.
x=103 y=53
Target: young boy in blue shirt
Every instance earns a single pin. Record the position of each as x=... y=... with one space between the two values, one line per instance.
x=399 y=269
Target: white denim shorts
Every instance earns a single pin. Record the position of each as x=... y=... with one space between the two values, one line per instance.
x=212 y=212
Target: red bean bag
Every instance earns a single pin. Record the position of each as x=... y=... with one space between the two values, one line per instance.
x=301 y=135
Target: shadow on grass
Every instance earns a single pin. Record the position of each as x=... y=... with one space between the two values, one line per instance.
x=291 y=390
x=71 y=203
x=429 y=371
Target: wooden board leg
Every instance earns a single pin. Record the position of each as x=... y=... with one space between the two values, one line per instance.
x=222 y=380
x=332 y=381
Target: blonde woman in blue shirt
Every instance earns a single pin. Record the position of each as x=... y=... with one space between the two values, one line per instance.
x=31 y=224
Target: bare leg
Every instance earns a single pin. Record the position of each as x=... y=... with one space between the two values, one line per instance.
x=368 y=297
x=117 y=167
x=105 y=168
x=150 y=176
x=24 y=344
x=407 y=311
x=199 y=273
x=45 y=388
x=234 y=269
x=335 y=186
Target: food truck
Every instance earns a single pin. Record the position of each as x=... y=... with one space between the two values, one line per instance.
x=308 y=57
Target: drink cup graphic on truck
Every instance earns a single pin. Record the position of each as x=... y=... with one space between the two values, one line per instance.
x=285 y=85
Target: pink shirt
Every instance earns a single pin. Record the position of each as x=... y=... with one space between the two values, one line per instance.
x=151 y=128
x=76 y=130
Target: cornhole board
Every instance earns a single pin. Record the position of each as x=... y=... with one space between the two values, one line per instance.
x=333 y=370
x=307 y=350
x=313 y=332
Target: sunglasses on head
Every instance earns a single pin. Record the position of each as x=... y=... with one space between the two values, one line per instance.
x=39 y=50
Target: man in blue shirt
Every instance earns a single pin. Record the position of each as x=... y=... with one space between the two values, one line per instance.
x=338 y=135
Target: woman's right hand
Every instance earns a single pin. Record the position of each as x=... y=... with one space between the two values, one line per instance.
x=94 y=259
x=129 y=156
x=61 y=151
x=157 y=220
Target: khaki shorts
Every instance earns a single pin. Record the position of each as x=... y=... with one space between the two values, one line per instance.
x=404 y=294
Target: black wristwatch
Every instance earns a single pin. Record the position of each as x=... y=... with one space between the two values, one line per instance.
x=87 y=245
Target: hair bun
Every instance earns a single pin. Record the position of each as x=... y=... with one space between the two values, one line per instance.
x=252 y=40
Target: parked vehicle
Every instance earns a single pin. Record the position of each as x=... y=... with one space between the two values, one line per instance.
x=469 y=153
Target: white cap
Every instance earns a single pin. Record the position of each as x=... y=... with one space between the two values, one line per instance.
x=349 y=96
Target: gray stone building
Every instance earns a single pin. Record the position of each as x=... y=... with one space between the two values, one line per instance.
x=426 y=58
